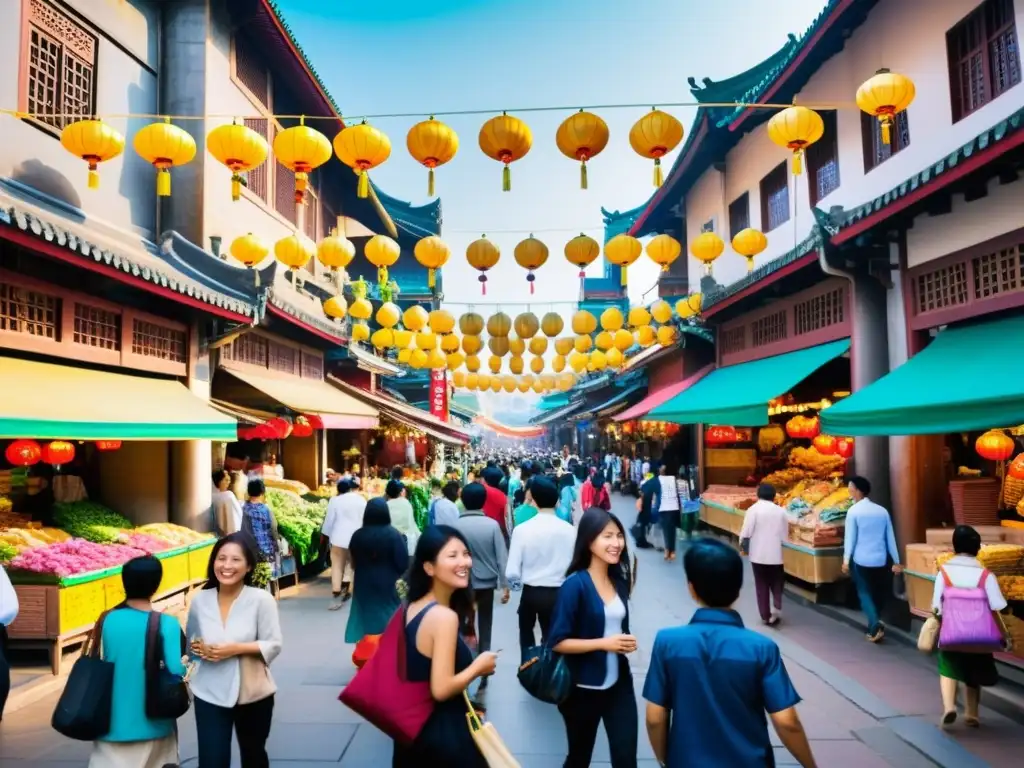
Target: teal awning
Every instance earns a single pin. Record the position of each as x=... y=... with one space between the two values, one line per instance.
x=968 y=378
x=738 y=395
x=556 y=400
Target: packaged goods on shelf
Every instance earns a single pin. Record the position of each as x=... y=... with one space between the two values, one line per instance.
x=730 y=495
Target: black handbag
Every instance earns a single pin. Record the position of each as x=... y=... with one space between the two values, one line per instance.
x=167 y=694
x=545 y=675
x=83 y=709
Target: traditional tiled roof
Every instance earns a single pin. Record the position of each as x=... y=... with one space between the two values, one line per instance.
x=415 y=220
x=303 y=306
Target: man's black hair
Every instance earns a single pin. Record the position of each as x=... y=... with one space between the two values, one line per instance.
x=543 y=491
x=493 y=476
x=451 y=490
x=473 y=497
x=397 y=472
x=256 y=488
x=766 y=492
x=344 y=486
x=862 y=484
x=715 y=570
x=393 y=489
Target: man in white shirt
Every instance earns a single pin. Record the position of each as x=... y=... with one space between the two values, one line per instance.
x=539 y=555
x=344 y=517
x=8 y=613
x=765 y=527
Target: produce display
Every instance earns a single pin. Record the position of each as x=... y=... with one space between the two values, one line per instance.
x=419 y=497
x=1001 y=559
x=271 y=481
x=735 y=496
x=90 y=521
x=25 y=538
x=175 y=535
x=324 y=491
x=298 y=521
x=7 y=552
x=74 y=556
x=1012 y=587
x=817 y=464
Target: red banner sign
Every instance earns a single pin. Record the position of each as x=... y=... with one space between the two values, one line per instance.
x=439 y=394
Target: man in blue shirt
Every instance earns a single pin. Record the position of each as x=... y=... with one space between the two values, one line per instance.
x=711 y=682
x=868 y=547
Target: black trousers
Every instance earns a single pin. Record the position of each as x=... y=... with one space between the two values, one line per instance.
x=536 y=604
x=585 y=709
x=5 y=671
x=251 y=725
x=769 y=582
x=484 y=618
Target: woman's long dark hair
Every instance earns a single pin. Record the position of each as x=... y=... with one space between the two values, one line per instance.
x=433 y=539
x=597 y=480
x=246 y=543
x=594 y=521
x=375 y=540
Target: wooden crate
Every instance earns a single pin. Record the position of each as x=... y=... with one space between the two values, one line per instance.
x=919 y=592
x=812 y=568
x=38 y=612
x=716 y=518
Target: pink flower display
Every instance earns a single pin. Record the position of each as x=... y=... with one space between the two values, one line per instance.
x=148 y=544
x=75 y=556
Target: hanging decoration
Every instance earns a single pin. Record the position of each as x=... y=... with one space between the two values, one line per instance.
x=454 y=360
x=688 y=306
x=362 y=147
x=471 y=324
x=403 y=338
x=748 y=243
x=530 y=254
x=526 y=325
x=803 y=427
x=884 y=96
x=432 y=253
x=499 y=324
x=645 y=335
x=706 y=248
x=578 y=361
x=581 y=137
x=471 y=344
x=538 y=345
x=614 y=357
x=426 y=340
x=994 y=445
x=623 y=250
x=382 y=338
x=164 y=146
x=563 y=346
x=604 y=341
x=583 y=322
x=432 y=144
x=516 y=364
x=94 y=142
x=238 y=147
x=666 y=335
x=107 y=445
x=58 y=452
x=655 y=135
x=388 y=315
x=516 y=346
x=494 y=363
x=663 y=250
x=336 y=307
x=661 y=311
x=844 y=447
x=360 y=309
x=536 y=364
x=335 y=252
x=611 y=319
x=23 y=453
x=583 y=343
x=720 y=435
x=472 y=363
x=449 y=342
x=796 y=128
x=638 y=316
x=826 y=445
x=506 y=139
x=551 y=324
x=301 y=149
x=581 y=252
x=622 y=340
x=295 y=252
x=558 y=363
x=441 y=321
x=248 y=250
x=301 y=427
x=482 y=255
x=415 y=318
x=382 y=252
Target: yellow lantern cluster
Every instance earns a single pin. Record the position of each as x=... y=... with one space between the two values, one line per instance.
x=541 y=383
x=748 y=243
x=360 y=310
x=526 y=325
x=382 y=252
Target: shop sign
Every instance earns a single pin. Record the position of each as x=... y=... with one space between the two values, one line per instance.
x=439 y=394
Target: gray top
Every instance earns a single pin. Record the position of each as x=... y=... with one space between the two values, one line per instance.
x=487 y=546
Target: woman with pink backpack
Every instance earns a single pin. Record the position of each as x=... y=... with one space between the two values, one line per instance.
x=967 y=600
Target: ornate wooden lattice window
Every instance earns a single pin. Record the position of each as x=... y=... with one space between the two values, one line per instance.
x=312 y=366
x=251 y=71
x=818 y=312
x=823 y=160
x=250 y=348
x=877 y=151
x=257 y=180
x=768 y=329
x=282 y=358
x=311 y=217
x=159 y=341
x=775 y=198
x=30 y=312
x=999 y=273
x=734 y=340
x=739 y=214
x=984 y=57
x=284 y=190
x=97 y=327
x=60 y=67
x=941 y=288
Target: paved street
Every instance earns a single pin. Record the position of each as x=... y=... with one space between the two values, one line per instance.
x=864 y=705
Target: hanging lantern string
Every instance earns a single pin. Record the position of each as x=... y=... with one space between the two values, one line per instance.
x=418 y=115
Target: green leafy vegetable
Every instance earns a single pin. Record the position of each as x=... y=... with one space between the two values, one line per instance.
x=90 y=521
x=419 y=497
x=298 y=520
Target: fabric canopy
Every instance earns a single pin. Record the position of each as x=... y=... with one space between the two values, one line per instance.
x=406 y=414
x=968 y=378
x=559 y=413
x=59 y=402
x=662 y=395
x=738 y=395
x=313 y=396
x=601 y=407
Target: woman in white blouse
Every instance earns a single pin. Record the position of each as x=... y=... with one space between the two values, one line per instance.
x=234 y=632
x=974 y=670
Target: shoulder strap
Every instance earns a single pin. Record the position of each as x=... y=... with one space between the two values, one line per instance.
x=984 y=577
x=945 y=576
x=152 y=651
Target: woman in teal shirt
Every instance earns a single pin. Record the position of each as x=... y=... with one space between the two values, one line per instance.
x=135 y=739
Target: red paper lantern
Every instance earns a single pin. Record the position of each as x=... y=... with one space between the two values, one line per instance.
x=844 y=447
x=1016 y=469
x=108 y=445
x=314 y=421
x=58 y=452
x=795 y=427
x=994 y=445
x=825 y=445
x=281 y=428
x=301 y=427
x=24 y=453
x=719 y=435
x=265 y=431
x=812 y=427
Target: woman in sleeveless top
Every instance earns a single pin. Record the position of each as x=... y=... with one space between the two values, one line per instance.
x=439 y=597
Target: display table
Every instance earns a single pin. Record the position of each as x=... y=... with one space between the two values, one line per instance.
x=813 y=565
x=59 y=612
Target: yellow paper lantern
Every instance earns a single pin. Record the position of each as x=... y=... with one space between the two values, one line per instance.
x=796 y=128
x=748 y=243
x=458 y=378
x=471 y=324
x=436 y=359
x=598 y=360
x=499 y=324
x=442 y=321
x=516 y=346
x=526 y=325
x=661 y=311
x=164 y=146
x=611 y=319
x=494 y=363
x=655 y=135
x=472 y=363
x=498 y=345
x=454 y=360
x=471 y=344
x=548 y=381
x=523 y=385
x=361 y=309
x=382 y=338
x=581 y=252
x=484 y=381
x=516 y=364
x=622 y=251
x=508 y=383
x=249 y=249
x=604 y=340
x=433 y=253
x=449 y=342
x=335 y=252
x=614 y=357
x=426 y=340
x=527 y=380
x=558 y=363
x=583 y=322
x=537 y=364
x=238 y=147
x=666 y=335
x=645 y=335
x=530 y=254
x=432 y=144
x=94 y=142
x=566 y=381
x=638 y=316
x=496 y=384
x=582 y=136
x=506 y=139
x=538 y=387
x=564 y=345
x=360 y=332
x=884 y=96
x=623 y=340
x=301 y=149
x=472 y=381
x=664 y=250
x=482 y=255
x=295 y=251
x=582 y=343
x=578 y=360
x=415 y=318
x=705 y=248
x=418 y=359
x=388 y=315
x=403 y=338
x=538 y=345
x=382 y=252
x=336 y=307
x=362 y=147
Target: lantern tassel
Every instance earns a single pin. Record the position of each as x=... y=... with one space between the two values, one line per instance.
x=583 y=175
x=430 y=277
x=430 y=182
x=382 y=276
x=94 y=179
x=236 y=187
x=623 y=277
x=363 y=188
x=483 y=287
x=659 y=179
x=506 y=179
x=531 y=288
x=750 y=263
x=163 y=183
x=798 y=162
x=885 y=130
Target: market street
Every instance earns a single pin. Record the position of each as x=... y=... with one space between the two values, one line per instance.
x=863 y=706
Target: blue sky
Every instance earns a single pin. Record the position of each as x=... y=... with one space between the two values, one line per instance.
x=401 y=56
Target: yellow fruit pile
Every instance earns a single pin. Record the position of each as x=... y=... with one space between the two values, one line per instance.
x=24 y=538
x=818 y=464
x=176 y=535
x=1006 y=559
x=1012 y=587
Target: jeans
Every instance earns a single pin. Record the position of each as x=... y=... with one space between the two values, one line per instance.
x=874 y=585
x=768 y=583
x=670 y=527
x=585 y=709
x=5 y=671
x=536 y=604
x=251 y=725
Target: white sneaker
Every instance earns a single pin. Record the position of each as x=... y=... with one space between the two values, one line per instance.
x=336 y=603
